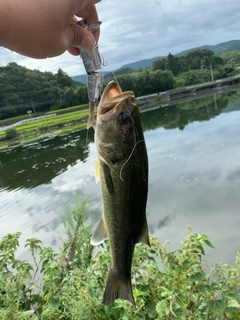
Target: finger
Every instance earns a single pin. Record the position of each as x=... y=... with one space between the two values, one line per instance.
x=80 y=4
x=90 y=14
x=79 y=37
x=74 y=51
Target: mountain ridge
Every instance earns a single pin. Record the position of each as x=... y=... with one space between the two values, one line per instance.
x=218 y=49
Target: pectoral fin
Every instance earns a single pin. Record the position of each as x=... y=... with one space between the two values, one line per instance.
x=97 y=172
x=100 y=234
x=144 y=238
x=108 y=178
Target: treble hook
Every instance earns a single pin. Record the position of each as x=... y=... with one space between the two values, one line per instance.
x=103 y=62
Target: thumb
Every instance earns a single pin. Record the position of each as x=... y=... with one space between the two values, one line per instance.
x=79 y=37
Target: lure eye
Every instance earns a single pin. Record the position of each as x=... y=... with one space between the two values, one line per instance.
x=123 y=117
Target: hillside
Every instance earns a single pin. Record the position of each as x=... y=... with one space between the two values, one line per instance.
x=141 y=64
x=217 y=49
x=24 y=91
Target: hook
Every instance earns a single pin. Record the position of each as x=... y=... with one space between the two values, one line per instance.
x=103 y=62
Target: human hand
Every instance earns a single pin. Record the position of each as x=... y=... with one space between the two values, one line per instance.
x=41 y=29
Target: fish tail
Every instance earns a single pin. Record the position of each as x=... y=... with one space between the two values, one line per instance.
x=91 y=118
x=117 y=288
x=91 y=121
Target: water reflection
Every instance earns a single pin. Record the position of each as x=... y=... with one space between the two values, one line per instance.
x=180 y=115
x=194 y=176
x=39 y=163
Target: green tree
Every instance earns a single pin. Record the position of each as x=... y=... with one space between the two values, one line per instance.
x=195 y=58
x=173 y=64
x=63 y=79
x=159 y=64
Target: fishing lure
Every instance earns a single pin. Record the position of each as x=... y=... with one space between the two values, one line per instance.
x=92 y=62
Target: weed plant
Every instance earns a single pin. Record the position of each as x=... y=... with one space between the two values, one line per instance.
x=166 y=284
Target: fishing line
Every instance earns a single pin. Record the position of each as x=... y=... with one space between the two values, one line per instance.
x=134 y=134
x=134 y=139
x=101 y=158
x=84 y=159
x=115 y=77
x=129 y=158
x=85 y=148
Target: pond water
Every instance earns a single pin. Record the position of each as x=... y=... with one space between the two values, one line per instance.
x=194 y=163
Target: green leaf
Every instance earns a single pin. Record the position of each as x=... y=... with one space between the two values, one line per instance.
x=233 y=303
x=167 y=293
x=198 y=276
x=138 y=293
x=204 y=289
x=24 y=314
x=180 y=302
x=180 y=314
x=216 y=307
x=205 y=240
x=163 y=308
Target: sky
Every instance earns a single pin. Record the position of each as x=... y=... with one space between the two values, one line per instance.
x=136 y=30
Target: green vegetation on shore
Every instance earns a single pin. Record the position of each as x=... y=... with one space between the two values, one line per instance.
x=37 y=129
x=69 y=109
x=167 y=284
x=23 y=90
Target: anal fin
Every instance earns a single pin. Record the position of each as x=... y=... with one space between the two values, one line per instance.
x=144 y=237
x=100 y=234
x=91 y=121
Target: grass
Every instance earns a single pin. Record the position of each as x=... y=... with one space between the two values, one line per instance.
x=57 y=120
x=37 y=129
x=16 y=119
x=69 y=109
x=23 y=117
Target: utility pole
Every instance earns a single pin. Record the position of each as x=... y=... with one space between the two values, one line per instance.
x=202 y=66
x=210 y=67
x=59 y=91
x=211 y=71
x=33 y=106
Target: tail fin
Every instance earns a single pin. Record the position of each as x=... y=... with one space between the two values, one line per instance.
x=117 y=289
x=91 y=121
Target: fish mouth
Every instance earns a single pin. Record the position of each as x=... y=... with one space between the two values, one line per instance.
x=111 y=97
x=112 y=89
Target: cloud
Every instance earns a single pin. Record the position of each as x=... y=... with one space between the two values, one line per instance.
x=137 y=30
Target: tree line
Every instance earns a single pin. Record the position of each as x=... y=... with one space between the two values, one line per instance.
x=199 y=66
x=22 y=89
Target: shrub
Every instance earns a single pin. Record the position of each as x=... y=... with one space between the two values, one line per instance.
x=11 y=133
x=166 y=284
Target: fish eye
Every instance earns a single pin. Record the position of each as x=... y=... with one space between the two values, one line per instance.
x=123 y=116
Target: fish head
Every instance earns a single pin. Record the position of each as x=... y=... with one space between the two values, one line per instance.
x=117 y=125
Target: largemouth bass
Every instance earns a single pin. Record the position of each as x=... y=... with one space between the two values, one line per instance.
x=122 y=169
